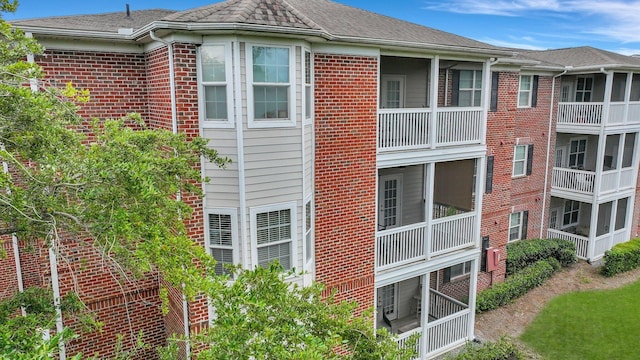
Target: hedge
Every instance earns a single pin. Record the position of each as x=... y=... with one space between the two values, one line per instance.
x=622 y=257
x=503 y=349
x=516 y=285
x=523 y=253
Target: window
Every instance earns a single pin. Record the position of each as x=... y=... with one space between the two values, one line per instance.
x=214 y=85
x=221 y=226
x=524 y=91
x=388 y=299
x=274 y=235
x=584 y=88
x=392 y=92
x=518 y=225
x=520 y=160
x=460 y=270
x=577 y=151
x=308 y=98
x=470 y=88
x=308 y=228
x=571 y=212
x=271 y=77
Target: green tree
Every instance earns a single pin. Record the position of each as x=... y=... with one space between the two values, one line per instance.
x=121 y=187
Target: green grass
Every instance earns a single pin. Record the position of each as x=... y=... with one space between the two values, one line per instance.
x=588 y=325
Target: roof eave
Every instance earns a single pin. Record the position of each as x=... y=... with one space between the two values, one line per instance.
x=86 y=34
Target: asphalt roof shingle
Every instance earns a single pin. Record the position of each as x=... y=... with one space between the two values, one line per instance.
x=582 y=56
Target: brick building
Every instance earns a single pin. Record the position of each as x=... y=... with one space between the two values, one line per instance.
x=387 y=160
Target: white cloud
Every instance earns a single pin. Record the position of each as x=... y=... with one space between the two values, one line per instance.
x=626 y=51
x=618 y=20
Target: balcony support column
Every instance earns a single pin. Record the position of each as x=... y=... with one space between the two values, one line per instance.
x=593 y=229
x=424 y=313
x=486 y=98
x=627 y=97
x=429 y=176
x=433 y=100
x=473 y=288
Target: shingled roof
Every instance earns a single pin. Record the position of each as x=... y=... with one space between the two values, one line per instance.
x=584 y=56
x=322 y=18
x=106 y=22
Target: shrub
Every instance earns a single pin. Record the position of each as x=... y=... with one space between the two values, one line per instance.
x=622 y=257
x=516 y=285
x=526 y=252
x=503 y=349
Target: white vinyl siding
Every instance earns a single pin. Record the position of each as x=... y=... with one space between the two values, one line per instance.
x=214 y=67
x=223 y=183
x=271 y=82
x=274 y=233
x=525 y=91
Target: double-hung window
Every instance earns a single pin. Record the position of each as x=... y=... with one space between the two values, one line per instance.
x=577 y=152
x=221 y=229
x=271 y=86
x=308 y=91
x=520 y=160
x=308 y=229
x=525 y=91
x=571 y=212
x=213 y=79
x=470 y=88
x=584 y=88
x=275 y=234
x=518 y=225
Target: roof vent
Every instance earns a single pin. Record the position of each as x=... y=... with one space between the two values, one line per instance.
x=128 y=11
x=125 y=31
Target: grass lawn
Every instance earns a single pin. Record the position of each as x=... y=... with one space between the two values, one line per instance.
x=589 y=325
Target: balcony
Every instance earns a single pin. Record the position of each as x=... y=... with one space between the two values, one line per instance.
x=414 y=129
x=446 y=324
x=591 y=113
x=573 y=180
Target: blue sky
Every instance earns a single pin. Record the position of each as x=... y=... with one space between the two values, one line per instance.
x=531 y=24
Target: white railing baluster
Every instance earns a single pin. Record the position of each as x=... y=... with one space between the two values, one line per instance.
x=581 y=242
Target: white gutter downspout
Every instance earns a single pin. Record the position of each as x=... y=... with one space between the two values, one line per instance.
x=546 y=171
x=174 y=129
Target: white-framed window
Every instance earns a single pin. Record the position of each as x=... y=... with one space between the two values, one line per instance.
x=308 y=229
x=571 y=213
x=460 y=270
x=517 y=225
x=388 y=300
x=221 y=228
x=308 y=87
x=519 y=160
x=577 y=153
x=525 y=90
x=214 y=66
x=470 y=88
x=270 y=95
x=584 y=88
x=392 y=91
x=274 y=233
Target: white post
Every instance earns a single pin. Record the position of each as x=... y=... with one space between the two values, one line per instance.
x=430 y=179
x=473 y=287
x=424 y=314
x=435 y=74
x=55 y=285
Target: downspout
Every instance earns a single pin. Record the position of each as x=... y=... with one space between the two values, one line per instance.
x=546 y=171
x=174 y=129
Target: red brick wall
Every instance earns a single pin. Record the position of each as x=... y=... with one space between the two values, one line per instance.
x=503 y=127
x=345 y=174
x=117 y=82
x=8 y=275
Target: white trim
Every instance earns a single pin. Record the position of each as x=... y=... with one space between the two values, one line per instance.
x=398 y=178
x=266 y=123
x=233 y=213
x=346 y=50
x=254 y=211
x=564 y=212
x=229 y=123
x=308 y=253
x=311 y=85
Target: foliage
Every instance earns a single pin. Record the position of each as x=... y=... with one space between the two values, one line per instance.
x=622 y=257
x=523 y=253
x=503 y=349
x=262 y=316
x=588 y=325
x=517 y=285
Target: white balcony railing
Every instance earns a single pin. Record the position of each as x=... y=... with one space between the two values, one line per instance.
x=406 y=244
x=402 y=338
x=400 y=245
x=441 y=305
x=580 y=113
x=452 y=232
x=627 y=180
x=445 y=333
x=581 y=242
x=459 y=126
x=591 y=113
x=410 y=129
x=574 y=180
x=402 y=129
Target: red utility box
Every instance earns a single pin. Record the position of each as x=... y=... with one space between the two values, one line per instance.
x=493 y=259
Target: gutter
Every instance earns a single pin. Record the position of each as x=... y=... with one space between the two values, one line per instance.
x=546 y=171
x=174 y=129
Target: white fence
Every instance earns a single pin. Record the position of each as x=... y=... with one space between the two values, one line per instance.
x=452 y=232
x=447 y=332
x=592 y=113
x=410 y=129
x=575 y=180
x=581 y=242
x=400 y=245
x=441 y=305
